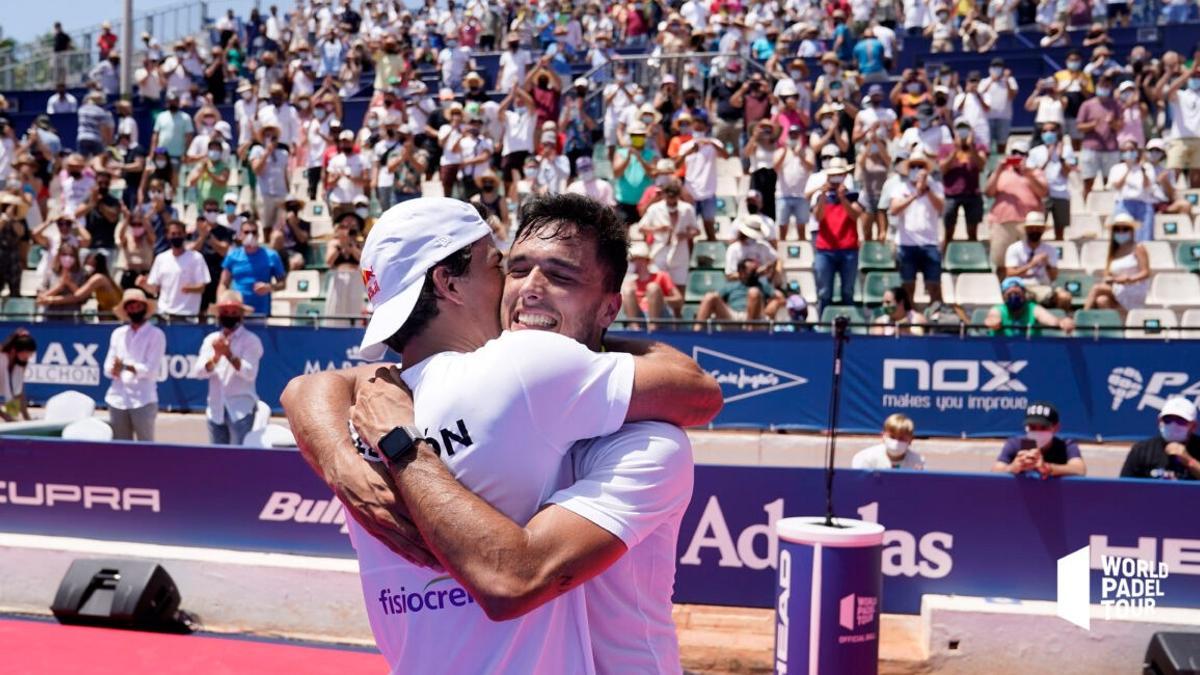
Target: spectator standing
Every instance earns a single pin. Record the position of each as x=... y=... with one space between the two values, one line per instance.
x=898 y=315
x=1017 y=191
x=18 y=350
x=1039 y=452
x=59 y=229
x=1126 y=272
x=173 y=130
x=1074 y=87
x=253 y=270
x=229 y=360
x=107 y=76
x=1055 y=158
x=61 y=102
x=106 y=41
x=13 y=231
x=999 y=90
x=669 y=227
x=837 y=213
x=270 y=162
x=136 y=241
x=699 y=159
x=178 y=277
x=103 y=216
x=792 y=168
x=760 y=155
x=134 y=359
x=648 y=292
x=96 y=127
x=961 y=171
x=916 y=204
x=345 y=295
x=1018 y=315
x=211 y=174
x=1183 y=98
x=588 y=185
x=346 y=176
x=725 y=108
x=895 y=452
x=1135 y=183
x=1174 y=452
x=1098 y=122
x=291 y=239
x=633 y=170
x=1032 y=260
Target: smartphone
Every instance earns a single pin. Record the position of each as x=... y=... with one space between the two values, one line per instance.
x=1028 y=444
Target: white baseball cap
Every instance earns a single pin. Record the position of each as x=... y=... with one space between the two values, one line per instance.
x=1179 y=407
x=405 y=243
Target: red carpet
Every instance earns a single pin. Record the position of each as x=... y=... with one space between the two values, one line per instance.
x=44 y=648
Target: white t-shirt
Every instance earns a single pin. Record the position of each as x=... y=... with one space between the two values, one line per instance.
x=876 y=457
x=316 y=132
x=599 y=190
x=12 y=383
x=553 y=173
x=1049 y=109
x=745 y=250
x=545 y=392
x=870 y=115
x=346 y=167
x=447 y=137
x=272 y=181
x=793 y=175
x=1019 y=253
x=512 y=69
x=917 y=225
x=1185 y=114
x=1051 y=167
x=1139 y=181
x=701 y=166
x=636 y=484
x=170 y=273
x=518 y=131
x=996 y=93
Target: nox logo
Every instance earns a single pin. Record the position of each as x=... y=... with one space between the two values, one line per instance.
x=740 y=378
x=959 y=375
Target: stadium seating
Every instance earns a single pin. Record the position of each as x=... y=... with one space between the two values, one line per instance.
x=19 y=307
x=701 y=282
x=1078 y=284
x=1098 y=323
x=1160 y=255
x=977 y=288
x=301 y=285
x=1187 y=254
x=1083 y=226
x=966 y=256
x=854 y=314
x=876 y=255
x=1068 y=255
x=875 y=284
x=796 y=255
x=1093 y=257
x=1150 y=323
x=708 y=255
x=1191 y=321
x=1174 y=289
x=1170 y=226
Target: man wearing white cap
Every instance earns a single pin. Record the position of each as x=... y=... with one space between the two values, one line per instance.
x=345 y=175
x=435 y=280
x=1174 y=452
x=229 y=360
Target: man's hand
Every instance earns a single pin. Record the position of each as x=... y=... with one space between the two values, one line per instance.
x=382 y=403
x=1176 y=449
x=117 y=367
x=261 y=288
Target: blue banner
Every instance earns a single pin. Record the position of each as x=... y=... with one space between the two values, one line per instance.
x=981 y=535
x=950 y=386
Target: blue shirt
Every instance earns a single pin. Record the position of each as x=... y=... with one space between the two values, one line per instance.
x=869 y=54
x=762 y=49
x=845 y=51
x=247 y=269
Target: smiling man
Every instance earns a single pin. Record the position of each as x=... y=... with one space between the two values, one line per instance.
x=517 y=516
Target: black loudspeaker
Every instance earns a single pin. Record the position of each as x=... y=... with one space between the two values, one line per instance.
x=1173 y=654
x=120 y=594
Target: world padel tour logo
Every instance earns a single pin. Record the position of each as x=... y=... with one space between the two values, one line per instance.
x=740 y=378
x=854 y=612
x=1129 y=587
x=1126 y=383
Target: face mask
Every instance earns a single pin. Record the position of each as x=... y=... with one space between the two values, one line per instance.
x=249 y=240
x=1103 y=92
x=230 y=209
x=67 y=262
x=690 y=101
x=795 y=142
x=373 y=123
x=229 y=322
x=924 y=123
x=211 y=216
x=154 y=194
x=247 y=95
x=830 y=69
x=1194 y=83
x=913 y=87
x=137 y=317
x=1049 y=137
x=160 y=163
x=622 y=77
x=1129 y=155
x=1122 y=237
x=639 y=99
x=320 y=113
x=662 y=180
x=895 y=447
x=175 y=242
x=173 y=107
x=587 y=175
x=995 y=72
x=137 y=231
x=638 y=141
x=1074 y=65
x=1173 y=432
x=530 y=172
x=1042 y=438
x=698 y=134
x=1014 y=302
x=214 y=155
x=888 y=307
x=826 y=124
x=796 y=74
x=362 y=213
x=914 y=175
x=837 y=180
x=1157 y=156
x=1033 y=237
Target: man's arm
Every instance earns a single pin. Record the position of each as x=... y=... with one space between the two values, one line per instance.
x=667 y=384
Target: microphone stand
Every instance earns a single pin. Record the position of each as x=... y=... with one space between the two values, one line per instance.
x=840 y=338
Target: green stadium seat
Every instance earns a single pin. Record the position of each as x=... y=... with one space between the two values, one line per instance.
x=35 y=256
x=689 y=310
x=796 y=255
x=875 y=284
x=966 y=256
x=858 y=320
x=1098 y=323
x=1078 y=284
x=876 y=255
x=316 y=255
x=701 y=282
x=1187 y=254
x=22 y=308
x=978 y=317
x=727 y=206
x=708 y=255
x=308 y=313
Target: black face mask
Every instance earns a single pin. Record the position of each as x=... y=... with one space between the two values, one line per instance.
x=1034 y=237
x=691 y=102
x=173 y=107
x=544 y=82
x=940 y=100
x=20 y=362
x=752 y=209
x=137 y=317
x=175 y=242
x=229 y=322
x=75 y=174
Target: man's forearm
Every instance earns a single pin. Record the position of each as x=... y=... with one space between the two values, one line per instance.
x=668 y=385
x=317 y=408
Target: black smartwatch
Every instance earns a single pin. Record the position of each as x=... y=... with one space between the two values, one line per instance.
x=399 y=445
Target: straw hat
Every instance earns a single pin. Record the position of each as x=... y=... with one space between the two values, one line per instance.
x=229 y=299
x=639 y=249
x=1035 y=219
x=837 y=166
x=752 y=227
x=649 y=109
x=473 y=77
x=9 y=199
x=134 y=295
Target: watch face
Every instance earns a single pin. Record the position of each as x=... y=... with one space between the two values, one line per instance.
x=398 y=443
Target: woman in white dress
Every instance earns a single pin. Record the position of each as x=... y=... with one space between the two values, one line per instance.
x=1127 y=273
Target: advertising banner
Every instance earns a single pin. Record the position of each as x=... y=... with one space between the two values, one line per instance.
x=981 y=535
x=950 y=386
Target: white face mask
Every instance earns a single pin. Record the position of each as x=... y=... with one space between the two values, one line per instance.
x=586 y=175
x=250 y=240
x=913 y=175
x=826 y=123
x=211 y=216
x=837 y=180
x=1042 y=438
x=895 y=447
x=214 y=155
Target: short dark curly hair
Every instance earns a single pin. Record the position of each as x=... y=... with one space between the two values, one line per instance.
x=551 y=217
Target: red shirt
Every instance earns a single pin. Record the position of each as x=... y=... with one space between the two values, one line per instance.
x=838 y=229
x=661 y=278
